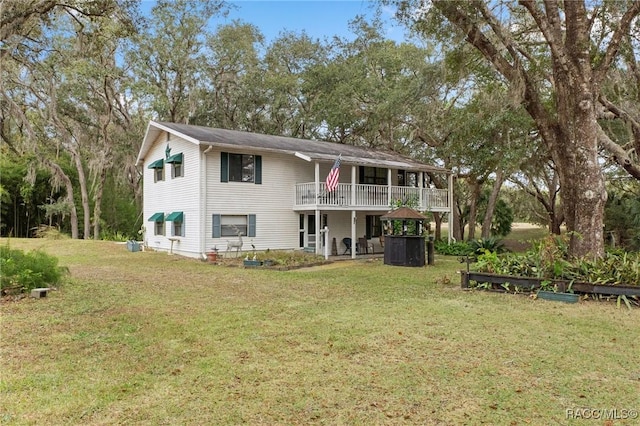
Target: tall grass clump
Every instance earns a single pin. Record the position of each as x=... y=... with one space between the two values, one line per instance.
x=49 y=232
x=24 y=271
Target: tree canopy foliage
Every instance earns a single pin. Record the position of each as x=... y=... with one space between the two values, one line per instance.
x=543 y=96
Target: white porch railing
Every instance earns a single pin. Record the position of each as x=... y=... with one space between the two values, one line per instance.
x=375 y=197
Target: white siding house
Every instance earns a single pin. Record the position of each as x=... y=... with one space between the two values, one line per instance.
x=203 y=187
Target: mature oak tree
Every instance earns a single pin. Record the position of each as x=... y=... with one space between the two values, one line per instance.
x=556 y=56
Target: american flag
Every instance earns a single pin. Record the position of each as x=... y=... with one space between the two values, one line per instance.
x=334 y=175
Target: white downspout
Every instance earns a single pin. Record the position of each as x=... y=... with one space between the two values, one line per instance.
x=203 y=202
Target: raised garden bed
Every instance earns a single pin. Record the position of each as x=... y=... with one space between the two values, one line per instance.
x=273 y=264
x=514 y=283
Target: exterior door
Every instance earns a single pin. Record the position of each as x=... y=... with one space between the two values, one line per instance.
x=307 y=230
x=311 y=230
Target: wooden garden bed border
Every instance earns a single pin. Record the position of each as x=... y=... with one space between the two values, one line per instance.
x=529 y=283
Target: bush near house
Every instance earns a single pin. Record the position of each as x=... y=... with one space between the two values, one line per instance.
x=23 y=271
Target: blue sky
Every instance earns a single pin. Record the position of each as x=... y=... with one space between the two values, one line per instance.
x=318 y=18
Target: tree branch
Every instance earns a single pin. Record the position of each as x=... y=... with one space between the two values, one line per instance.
x=512 y=47
x=551 y=34
x=620 y=156
x=616 y=39
x=476 y=37
x=619 y=112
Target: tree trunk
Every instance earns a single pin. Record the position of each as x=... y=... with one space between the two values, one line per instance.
x=555 y=222
x=82 y=181
x=457 y=223
x=473 y=207
x=571 y=135
x=491 y=205
x=437 y=218
x=583 y=185
x=556 y=217
x=97 y=203
x=576 y=143
x=68 y=185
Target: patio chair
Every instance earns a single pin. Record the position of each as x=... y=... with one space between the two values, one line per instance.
x=364 y=246
x=347 y=244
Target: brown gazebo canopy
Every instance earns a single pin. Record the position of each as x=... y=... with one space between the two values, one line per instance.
x=403 y=213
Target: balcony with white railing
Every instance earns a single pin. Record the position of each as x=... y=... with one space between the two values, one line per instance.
x=368 y=197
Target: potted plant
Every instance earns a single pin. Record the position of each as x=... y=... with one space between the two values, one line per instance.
x=251 y=262
x=212 y=256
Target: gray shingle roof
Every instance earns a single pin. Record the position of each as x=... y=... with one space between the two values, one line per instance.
x=316 y=150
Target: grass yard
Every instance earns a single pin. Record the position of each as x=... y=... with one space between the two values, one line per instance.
x=146 y=338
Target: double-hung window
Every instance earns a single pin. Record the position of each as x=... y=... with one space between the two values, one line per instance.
x=230 y=225
x=373 y=175
x=241 y=168
x=177 y=219
x=158 y=223
x=158 y=170
x=177 y=169
x=245 y=168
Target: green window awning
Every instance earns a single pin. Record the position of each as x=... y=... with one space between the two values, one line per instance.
x=157 y=217
x=158 y=164
x=175 y=217
x=177 y=158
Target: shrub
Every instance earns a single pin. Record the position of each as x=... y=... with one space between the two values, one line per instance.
x=109 y=235
x=491 y=244
x=49 y=232
x=502 y=219
x=622 y=218
x=27 y=271
x=457 y=248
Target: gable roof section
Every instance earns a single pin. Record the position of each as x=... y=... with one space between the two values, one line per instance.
x=316 y=150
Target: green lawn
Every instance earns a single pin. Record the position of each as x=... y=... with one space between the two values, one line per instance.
x=148 y=338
